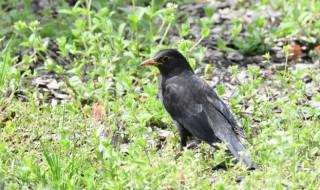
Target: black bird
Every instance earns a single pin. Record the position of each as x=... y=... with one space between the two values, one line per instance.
x=194 y=107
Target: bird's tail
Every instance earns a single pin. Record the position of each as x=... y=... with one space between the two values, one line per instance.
x=240 y=152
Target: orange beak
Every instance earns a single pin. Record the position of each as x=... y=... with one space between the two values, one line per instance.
x=150 y=62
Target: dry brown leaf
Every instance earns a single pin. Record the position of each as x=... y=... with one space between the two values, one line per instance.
x=296 y=51
x=317 y=48
x=181 y=178
x=97 y=111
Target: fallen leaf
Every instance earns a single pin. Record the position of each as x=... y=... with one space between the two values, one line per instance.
x=181 y=178
x=317 y=48
x=97 y=111
x=296 y=51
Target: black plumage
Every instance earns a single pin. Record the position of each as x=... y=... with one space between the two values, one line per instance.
x=194 y=107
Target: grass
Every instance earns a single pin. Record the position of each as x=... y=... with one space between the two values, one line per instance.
x=45 y=146
x=98 y=52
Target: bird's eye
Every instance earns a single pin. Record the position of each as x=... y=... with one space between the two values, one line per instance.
x=165 y=59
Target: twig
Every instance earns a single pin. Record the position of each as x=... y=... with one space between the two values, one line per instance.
x=144 y=148
x=165 y=33
x=196 y=44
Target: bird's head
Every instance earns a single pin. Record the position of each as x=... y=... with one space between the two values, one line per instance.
x=168 y=61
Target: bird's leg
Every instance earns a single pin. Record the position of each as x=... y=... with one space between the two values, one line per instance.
x=183 y=141
x=183 y=133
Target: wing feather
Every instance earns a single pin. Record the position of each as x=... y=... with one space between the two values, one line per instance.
x=192 y=102
x=183 y=108
x=216 y=102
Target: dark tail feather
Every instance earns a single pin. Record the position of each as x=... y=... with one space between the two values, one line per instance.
x=236 y=148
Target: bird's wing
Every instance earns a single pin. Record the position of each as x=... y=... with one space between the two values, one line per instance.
x=218 y=104
x=193 y=102
x=185 y=107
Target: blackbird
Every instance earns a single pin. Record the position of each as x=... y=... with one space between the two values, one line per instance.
x=194 y=107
